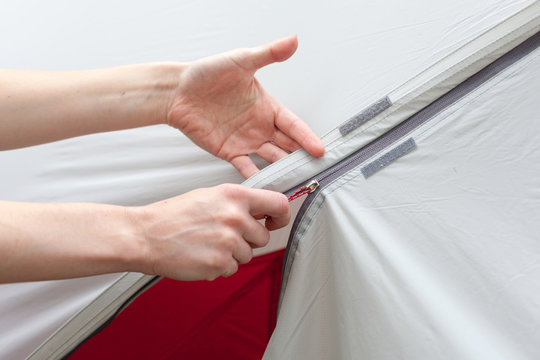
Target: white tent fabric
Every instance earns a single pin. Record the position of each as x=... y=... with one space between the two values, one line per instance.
x=350 y=55
x=436 y=256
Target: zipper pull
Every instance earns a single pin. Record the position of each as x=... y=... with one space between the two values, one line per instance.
x=306 y=189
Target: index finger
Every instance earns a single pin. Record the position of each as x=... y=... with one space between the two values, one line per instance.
x=269 y=203
x=298 y=130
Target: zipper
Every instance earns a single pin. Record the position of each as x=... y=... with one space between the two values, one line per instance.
x=393 y=136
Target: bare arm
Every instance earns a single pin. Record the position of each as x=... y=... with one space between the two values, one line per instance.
x=42 y=106
x=202 y=234
x=54 y=241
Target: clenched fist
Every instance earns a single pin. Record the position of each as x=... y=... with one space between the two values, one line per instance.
x=206 y=233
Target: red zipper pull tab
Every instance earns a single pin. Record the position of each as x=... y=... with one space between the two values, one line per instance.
x=306 y=189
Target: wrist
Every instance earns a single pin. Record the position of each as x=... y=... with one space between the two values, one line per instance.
x=139 y=257
x=135 y=95
x=164 y=80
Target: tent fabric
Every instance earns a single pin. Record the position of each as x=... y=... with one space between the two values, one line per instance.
x=377 y=46
x=93 y=317
x=435 y=256
x=196 y=320
x=407 y=99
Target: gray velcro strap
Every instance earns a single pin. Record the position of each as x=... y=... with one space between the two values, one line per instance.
x=365 y=115
x=388 y=158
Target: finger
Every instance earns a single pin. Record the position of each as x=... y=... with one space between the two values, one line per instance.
x=245 y=166
x=269 y=203
x=220 y=264
x=243 y=252
x=232 y=268
x=271 y=224
x=256 y=234
x=276 y=51
x=271 y=152
x=285 y=142
x=298 y=130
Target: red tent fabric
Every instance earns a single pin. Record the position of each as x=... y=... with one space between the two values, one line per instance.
x=229 y=318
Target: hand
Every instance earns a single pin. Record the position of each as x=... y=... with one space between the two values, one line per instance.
x=206 y=233
x=221 y=107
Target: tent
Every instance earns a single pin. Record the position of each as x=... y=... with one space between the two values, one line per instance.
x=420 y=241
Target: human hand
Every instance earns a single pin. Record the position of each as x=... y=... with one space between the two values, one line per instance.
x=222 y=108
x=207 y=233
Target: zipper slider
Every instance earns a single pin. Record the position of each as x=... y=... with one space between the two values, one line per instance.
x=312 y=186
x=306 y=189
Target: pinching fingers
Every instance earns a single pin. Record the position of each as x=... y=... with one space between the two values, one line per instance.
x=273 y=205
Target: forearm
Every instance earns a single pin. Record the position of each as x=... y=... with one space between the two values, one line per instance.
x=55 y=241
x=42 y=106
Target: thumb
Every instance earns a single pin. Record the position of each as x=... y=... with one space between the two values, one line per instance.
x=276 y=51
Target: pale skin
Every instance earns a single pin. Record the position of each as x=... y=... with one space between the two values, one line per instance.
x=203 y=234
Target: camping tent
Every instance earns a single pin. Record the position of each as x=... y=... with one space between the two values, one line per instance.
x=419 y=242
